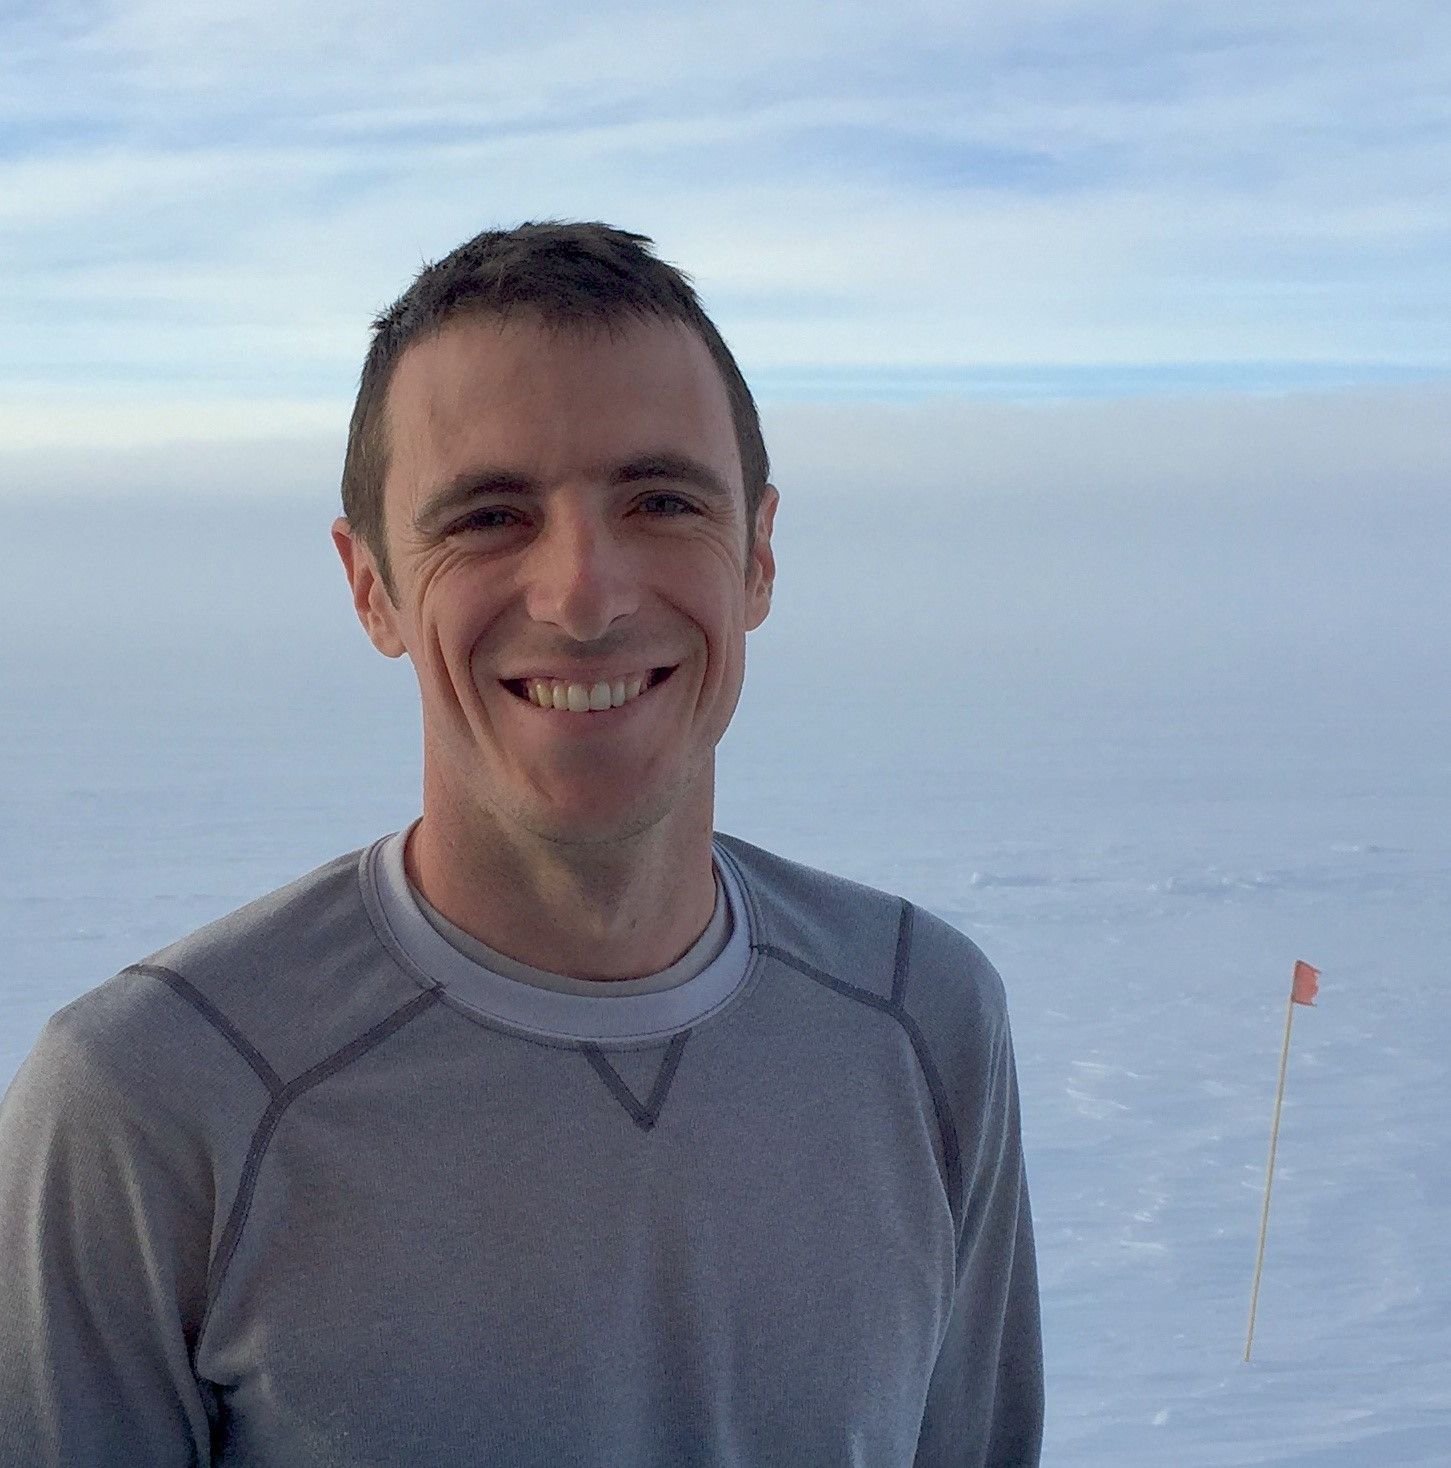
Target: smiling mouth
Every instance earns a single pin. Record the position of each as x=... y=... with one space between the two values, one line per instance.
x=656 y=677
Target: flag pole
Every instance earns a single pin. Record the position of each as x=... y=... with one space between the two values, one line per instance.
x=1270 y=1174
x=1304 y=986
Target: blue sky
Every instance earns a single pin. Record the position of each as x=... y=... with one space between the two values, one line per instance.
x=202 y=206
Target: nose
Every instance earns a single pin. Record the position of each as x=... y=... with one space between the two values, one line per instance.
x=581 y=576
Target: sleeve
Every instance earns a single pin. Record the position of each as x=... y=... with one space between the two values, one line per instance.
x=103 y=1255
x=985 y=1398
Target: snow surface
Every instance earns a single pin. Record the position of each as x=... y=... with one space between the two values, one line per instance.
x=1143 y=845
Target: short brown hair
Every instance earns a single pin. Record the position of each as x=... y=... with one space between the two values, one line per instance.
x=564 y=273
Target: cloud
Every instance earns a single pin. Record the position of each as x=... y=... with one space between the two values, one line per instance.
x=225 y=193
x=1253 y=549
x=1265 y=554
x=1161 y=457
x=1232 y=450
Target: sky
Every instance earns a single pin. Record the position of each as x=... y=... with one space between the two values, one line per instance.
x=202 y=206
x=1122 y=324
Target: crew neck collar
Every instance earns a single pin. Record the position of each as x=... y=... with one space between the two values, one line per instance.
x=577 y=1009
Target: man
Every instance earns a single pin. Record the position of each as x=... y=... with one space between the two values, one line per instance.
x=558 y=1128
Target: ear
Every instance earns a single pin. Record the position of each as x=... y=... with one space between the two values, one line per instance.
x=761 y=573
x=371 y=601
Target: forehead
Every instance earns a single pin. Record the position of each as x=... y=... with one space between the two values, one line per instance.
x=553 y=402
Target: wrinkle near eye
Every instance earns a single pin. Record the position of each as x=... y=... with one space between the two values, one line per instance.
x=440 y=556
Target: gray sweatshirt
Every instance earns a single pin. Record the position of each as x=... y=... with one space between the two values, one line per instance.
x=315 y=1186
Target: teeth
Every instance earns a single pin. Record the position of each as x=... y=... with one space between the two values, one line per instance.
x=581 y=698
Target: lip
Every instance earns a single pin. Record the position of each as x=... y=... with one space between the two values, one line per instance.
x=596 y=720
x=589 y=677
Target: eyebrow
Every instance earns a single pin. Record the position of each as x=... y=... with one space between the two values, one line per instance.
x=472 y=484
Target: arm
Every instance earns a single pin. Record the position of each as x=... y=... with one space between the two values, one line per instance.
x=104 y=1235
x=985 y=1400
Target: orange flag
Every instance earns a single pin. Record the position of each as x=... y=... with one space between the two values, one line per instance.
x=1305 y=987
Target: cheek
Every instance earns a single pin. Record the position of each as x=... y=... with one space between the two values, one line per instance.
x=481 y=673
x=447 y=624
x=721 y=619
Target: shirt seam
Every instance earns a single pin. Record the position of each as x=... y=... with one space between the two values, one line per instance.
x=281 y=1095
x=895 y=1006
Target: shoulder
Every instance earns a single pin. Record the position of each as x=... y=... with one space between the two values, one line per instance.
x=122 y=1030
x=873 y=938
x=300 y=918
x=127 y=1094
x=294 y=975
x=227 y=1012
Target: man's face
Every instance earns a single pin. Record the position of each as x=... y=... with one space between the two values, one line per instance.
x=530 y=532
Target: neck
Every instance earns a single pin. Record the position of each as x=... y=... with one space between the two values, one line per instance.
x=602 y=910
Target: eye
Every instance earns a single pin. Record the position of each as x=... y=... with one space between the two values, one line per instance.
x=478 y=519
x=678 y=500
x=474 y=520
